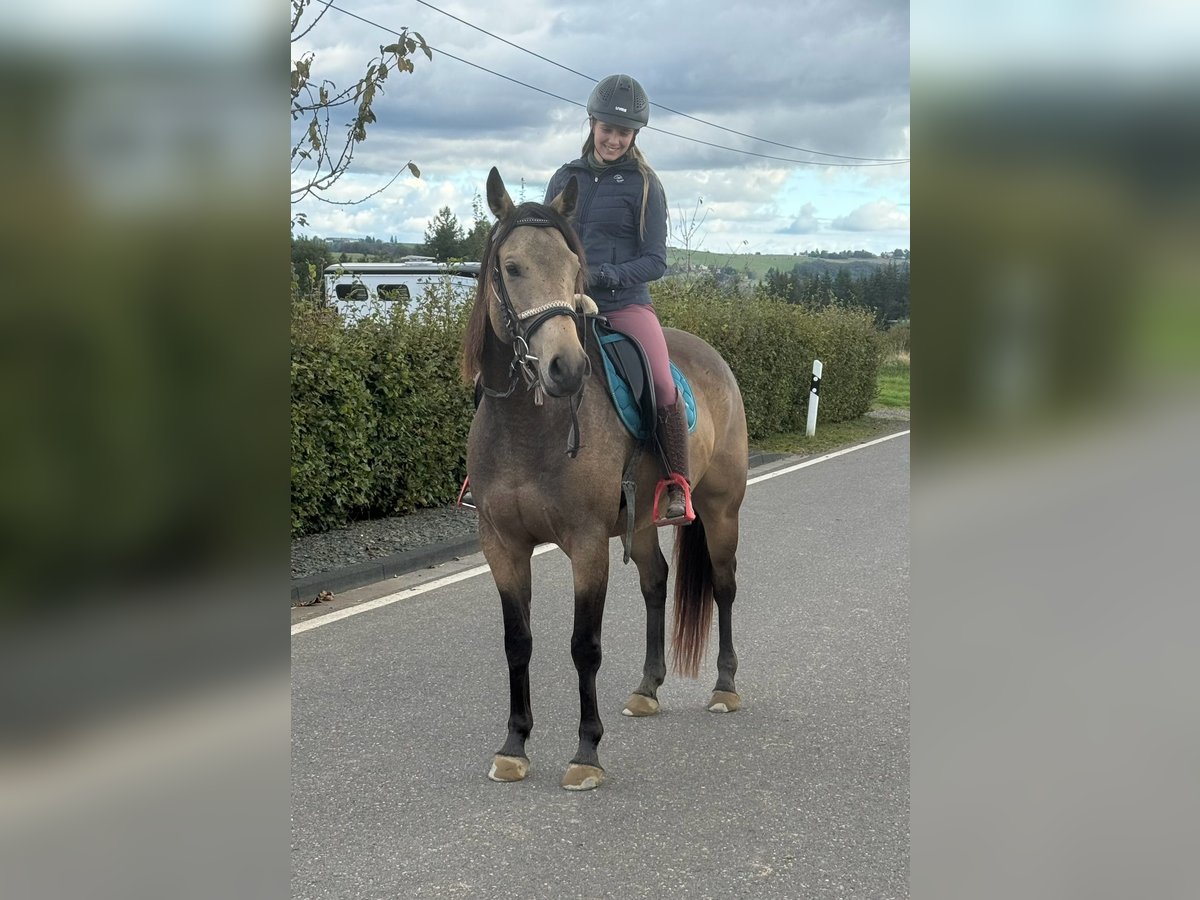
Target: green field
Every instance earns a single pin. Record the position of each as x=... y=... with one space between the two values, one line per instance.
x=758 y=264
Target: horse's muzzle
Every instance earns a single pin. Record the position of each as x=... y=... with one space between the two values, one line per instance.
x=563 y=371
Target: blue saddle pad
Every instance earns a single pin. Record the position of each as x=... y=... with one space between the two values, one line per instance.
x=627 y=404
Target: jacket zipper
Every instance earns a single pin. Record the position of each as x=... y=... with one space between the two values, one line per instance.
x=587 y=205
x=588 y=200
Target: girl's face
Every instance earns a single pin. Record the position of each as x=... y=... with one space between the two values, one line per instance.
x=612 y=141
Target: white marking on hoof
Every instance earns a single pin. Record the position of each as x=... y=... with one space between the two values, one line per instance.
x=582 y=778
x=724 y=702
x=640 y=705
x=508 y=768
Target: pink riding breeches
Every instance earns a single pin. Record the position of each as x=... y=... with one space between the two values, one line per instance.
x=641 y=322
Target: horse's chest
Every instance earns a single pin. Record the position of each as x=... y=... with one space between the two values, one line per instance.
x=546 y=496
x=523 y=478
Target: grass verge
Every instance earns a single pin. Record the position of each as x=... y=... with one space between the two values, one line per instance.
x=830 y=437
x=893 y=394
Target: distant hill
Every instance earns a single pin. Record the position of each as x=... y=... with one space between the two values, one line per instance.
x=360 y=249
x=758 y=263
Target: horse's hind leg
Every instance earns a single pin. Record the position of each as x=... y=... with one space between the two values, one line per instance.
x=589 y=565
x=513 y=579
x=722 y=533
x=652 y=574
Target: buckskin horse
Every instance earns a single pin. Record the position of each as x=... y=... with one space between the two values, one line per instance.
x=543 y=389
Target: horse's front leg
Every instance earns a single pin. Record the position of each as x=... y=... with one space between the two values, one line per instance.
x=511 y=571
x=589 y=565
x=652 y=575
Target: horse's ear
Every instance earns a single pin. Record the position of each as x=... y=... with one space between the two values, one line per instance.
x=565 y=202
x=499 y=202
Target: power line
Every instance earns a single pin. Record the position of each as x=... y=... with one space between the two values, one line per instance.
x=809 y=162
x=592 y=79
x=874 y=160
x=456 y=58
x=506 y=41
x=803 y=162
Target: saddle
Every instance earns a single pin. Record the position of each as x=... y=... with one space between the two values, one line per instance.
x=630 y=386
x=631 y=389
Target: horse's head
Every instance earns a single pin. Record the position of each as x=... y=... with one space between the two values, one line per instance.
x=530 y=289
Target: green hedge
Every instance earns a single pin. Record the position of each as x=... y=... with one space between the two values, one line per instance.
x=771 y=345
x=897 y=339
x=380 y=418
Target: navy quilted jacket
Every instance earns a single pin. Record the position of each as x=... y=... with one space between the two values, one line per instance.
x=607 y=214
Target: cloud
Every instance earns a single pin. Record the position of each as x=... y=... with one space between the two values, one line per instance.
x=803 y=73
x=879 y=215
x=805 y=223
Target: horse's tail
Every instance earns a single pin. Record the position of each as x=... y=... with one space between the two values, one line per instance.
x=693 y=598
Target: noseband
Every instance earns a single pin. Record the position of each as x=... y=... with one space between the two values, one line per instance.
x=521 y=328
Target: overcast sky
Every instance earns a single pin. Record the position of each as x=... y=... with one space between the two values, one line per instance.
x=811 y=74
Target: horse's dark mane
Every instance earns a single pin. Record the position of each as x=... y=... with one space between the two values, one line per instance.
x=477 y=324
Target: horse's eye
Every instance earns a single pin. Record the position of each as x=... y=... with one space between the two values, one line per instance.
x=512 y=268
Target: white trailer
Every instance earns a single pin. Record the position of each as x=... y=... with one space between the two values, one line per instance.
x=357 y=289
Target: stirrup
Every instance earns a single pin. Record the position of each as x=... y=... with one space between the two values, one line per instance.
x=689 y=514
x=465 y=500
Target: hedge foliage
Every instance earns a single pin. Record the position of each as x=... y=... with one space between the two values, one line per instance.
x=770 y=345
x=380 y=417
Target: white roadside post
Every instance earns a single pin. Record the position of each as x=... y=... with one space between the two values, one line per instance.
x=814 y=399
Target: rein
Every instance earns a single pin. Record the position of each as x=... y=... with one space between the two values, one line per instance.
x=521 y=327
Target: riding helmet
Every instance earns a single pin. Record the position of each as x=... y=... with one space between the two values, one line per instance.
x=619 y=100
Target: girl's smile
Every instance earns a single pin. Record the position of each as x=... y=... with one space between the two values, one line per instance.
x=611 y=141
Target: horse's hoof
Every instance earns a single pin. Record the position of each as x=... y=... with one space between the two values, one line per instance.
x=509 y=768
x=640 y=705
x=582 y=778
x=724 y=702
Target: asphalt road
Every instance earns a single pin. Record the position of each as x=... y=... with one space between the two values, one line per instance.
x=802 y=794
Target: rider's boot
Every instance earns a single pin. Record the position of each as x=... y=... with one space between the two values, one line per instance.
x=672 y=434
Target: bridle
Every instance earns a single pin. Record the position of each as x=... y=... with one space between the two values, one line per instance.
x=520 y=328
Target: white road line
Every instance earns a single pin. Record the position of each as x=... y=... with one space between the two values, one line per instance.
x=826 y=457
x=318 y=621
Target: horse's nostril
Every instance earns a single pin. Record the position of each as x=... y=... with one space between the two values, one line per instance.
x=561 y=375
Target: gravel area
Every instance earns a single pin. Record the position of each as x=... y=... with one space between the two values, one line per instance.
x=884 y=412
x=364 y=541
